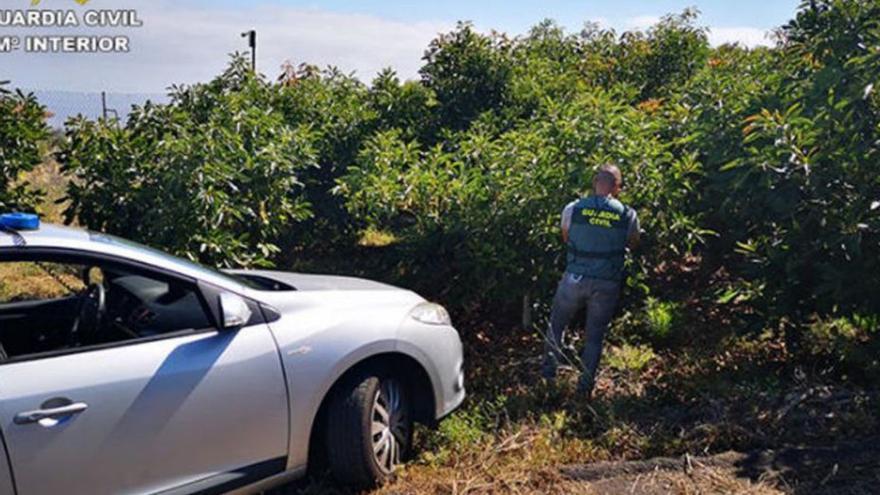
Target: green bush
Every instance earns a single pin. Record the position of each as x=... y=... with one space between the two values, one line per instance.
x=23 y=136
x=463 y=430
x=481 y=214
x=849 y=345
x=629 y=358
x=657 y=62
x=469 y=72
x=466 y=429
x=213 y=176
x=758 y=164
x=334 y=108
x=803 y=191
x=661 y=318
x=408 y=107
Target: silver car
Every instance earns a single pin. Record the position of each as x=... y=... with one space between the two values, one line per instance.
x=126 y=370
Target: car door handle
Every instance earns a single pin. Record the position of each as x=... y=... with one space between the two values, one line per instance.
x=53 y=413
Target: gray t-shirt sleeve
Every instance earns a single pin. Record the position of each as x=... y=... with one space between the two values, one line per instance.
x=566 y=215
x=634 y=228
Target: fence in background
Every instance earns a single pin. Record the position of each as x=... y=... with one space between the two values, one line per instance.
x=65 y=104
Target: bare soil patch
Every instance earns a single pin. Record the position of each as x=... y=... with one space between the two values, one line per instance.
x=844 y=469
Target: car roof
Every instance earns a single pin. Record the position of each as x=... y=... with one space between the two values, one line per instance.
x=48 y=235
x=76 y=239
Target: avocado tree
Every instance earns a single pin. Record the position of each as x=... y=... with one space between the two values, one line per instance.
x=23 y=137
x=808 y=170
x=469 y=72
x=214 y=175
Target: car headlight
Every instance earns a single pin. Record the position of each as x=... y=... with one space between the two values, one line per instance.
x=431 y=314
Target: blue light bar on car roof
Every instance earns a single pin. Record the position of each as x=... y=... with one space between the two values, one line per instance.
x=19 y=221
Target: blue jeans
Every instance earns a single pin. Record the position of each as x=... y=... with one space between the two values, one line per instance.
x=600 y=298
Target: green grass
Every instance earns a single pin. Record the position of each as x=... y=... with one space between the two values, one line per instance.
x=629 y=358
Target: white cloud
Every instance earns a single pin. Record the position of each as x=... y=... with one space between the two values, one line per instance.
x=746 y=36
x=180 y=44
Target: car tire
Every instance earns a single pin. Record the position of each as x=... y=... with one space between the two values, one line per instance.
x=369 y=429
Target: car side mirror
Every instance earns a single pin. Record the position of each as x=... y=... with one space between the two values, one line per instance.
x=235 y=311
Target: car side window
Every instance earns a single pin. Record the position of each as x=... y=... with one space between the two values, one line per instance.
x=48 y=307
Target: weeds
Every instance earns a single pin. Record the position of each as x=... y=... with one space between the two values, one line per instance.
x=742 y=395
x=629 y=358
x=661 y=317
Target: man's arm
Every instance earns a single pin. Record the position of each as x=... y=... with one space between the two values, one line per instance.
x=634 y=233
x=566 y=220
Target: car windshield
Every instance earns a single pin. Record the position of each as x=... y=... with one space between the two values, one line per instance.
x=173 y=260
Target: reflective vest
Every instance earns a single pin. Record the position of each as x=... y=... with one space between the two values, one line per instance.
x=597 y=238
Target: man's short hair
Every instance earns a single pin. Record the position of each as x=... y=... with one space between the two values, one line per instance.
x=608 y=177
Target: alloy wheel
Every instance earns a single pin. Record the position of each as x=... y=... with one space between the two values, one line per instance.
x=389 y=426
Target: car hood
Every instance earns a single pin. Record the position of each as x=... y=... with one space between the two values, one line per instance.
x=342 y=294
x=307 y=282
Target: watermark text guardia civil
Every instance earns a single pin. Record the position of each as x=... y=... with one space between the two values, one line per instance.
x=17 y=26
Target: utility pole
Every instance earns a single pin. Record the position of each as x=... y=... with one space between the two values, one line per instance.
x=252 y=44
x=105 y=112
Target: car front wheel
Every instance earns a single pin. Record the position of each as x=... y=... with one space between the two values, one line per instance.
x=369 y=429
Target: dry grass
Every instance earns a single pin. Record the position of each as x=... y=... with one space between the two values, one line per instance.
x=26 y=281
x=740 y=395
x=523 y=461
x=687 y=475
x=47 y=177
x=372 y=237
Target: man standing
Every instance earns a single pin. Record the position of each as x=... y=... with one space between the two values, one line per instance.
x=597 y=229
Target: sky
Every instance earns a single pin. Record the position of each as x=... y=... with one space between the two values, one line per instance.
x=187 y=41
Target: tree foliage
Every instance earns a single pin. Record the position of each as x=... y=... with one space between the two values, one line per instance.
x=469 y=73
x=214 y=175
x=23 y=132
x=759 y=162
x=808 y=166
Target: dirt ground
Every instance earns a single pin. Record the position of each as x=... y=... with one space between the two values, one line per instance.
x=686 y=475
x=843 y=470
x=715 y=411
x=847 y=469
